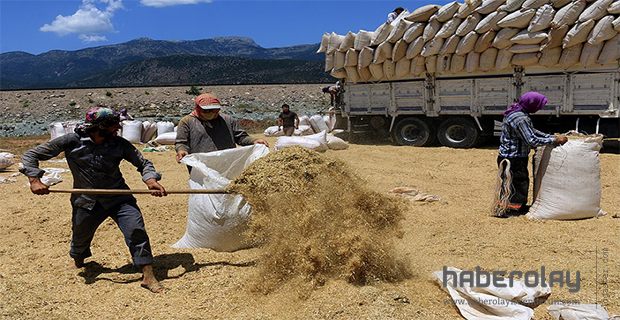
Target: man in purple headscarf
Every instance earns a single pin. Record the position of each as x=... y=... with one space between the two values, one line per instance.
x=518 y=137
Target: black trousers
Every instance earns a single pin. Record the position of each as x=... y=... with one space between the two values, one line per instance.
x=520 y=179
x=128 y=218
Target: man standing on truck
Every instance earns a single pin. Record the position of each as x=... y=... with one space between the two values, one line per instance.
x=517 y=138
x=334 y=93
x=394 y=14
x=288 y=120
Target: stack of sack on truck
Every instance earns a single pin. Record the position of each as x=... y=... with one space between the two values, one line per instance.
x=482 y=36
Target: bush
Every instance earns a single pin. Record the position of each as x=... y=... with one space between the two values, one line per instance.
x=194 y=91
x=72 y=103
x=108 y=94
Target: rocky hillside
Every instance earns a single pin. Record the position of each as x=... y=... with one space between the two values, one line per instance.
x=59 y=68
x=29 y=112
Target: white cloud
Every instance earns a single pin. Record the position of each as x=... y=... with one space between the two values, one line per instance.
x=168 y=3
x=88 y=21
x=92 y=38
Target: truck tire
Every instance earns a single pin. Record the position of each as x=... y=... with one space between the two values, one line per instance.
x=413 y=132
x=458 y=133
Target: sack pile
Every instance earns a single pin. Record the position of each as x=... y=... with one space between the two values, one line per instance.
x=318 y=142
x=307 y=126
x=479 y=36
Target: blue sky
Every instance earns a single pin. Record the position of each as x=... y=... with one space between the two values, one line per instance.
x=37 y=26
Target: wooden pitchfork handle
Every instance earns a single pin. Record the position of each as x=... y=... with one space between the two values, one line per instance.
x=125 y=191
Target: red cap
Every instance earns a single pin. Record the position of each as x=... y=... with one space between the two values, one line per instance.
x=208 y=101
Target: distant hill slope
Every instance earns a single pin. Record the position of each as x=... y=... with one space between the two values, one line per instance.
x=59 y=68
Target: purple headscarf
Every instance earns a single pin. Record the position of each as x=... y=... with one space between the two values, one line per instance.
x=529 y=102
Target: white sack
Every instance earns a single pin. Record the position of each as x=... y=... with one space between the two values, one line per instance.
x=402 y=67
x=503 y=59
x=447 y=11
x=273 y=131
x=350 y=58
x=595 y=11
x=614 y=8
x=303 y=130
x=132 y=130
x=335 y=143
x=415 y=48
x=570 y=185
x=316 y=142
x=590 y=54
x=56 y=129
x=502 y=38
x=490 y=303
x=52 y=176
x=164 y=127
x=450 y=45
x=610 y=52
x=304 y=120
x=414 y=31
x=167 y=138
x=362 y=39
x=518 y=19
x=569 y=14
x=149 y=130
x=364 y=59
x=431 y=30
x=533 y=4
x=603 y=30
x=422 y=14
x=330 y=121
x=542 y=19
x=449 y=28
x=490 y=22
x=334 y=42
x=389 y=69
x=317 y=123
x=352 y=74
x=489 y=6
x=578 y=34
x=468 y=25
x=512 y=5
x=381 y=34
x=347 y=42
x=324 y=41
x=217 y=221
x=578 y=311
x=484 y=41
x=398 y=31
x=467 y=43
x=526 y=37
x=6 y=160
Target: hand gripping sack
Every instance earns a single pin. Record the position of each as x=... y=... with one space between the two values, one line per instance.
x=567 y=180
x=217 y=221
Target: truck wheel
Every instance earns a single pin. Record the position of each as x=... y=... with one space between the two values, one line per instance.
x=413 y=132
x=458 y=133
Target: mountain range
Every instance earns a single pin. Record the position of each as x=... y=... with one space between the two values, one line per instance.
x=148 y=62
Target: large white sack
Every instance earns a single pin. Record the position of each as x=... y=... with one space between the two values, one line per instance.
x=570 y=56
x=402 y=67
x=589 y=54
x=376 y=69
x=71 y=125
x=431 y=64
x=616 y=24
x=610 y=52
x=450 y=45
x=550 y=56
x=164 y=127
x=339 y=60
x=503 y=59
x=571 y=311
x=217 y=221
x=512 y=5
x=569 y=14
x=526 y=37
x=273 y=131
x=556 y=37
x=362 y=39
x=334 y=43
x=603 y=30
x=324 y=41
x=422 y=14
x=304 y=120
x=132 y=130
x=487 y=59
x=467 y=8
x=364 y=59
x=350 y=59
x=558 y=4
x=303 y=130
x=414 y=31
x=6 y=160
x=399 y=50
x=335 y=143
x=389 y=69
x=467 y=43
x=167 y=138
x=432 y=47
x=329 y=61
x=568 y=180
x=457 y=64
x=149 y=130
x=524 y=48
x=518 y=19
x=447 y=11
x=364 y=73
x=383 y=52
x=542 y=19
x=318 y=124
x=449 y=28
x=472 y=64
x=614 y=8
x=484 y=42
x=502 y=38
x=347 y=42
x=352 y=74
x=578 y=34
x=330 y=121
x=338 y=73
x=415 y=48
x=418 y=66
x=381 y=34
x=489 y=6
x=316 y=142
x=533 y=4
x=399 y=30
x=443 y=63
x=490 y=22
x=492 y=302
x=468 y=25
x=525 y=59
x=431 y=29
x=56 y=129
x=595 y=11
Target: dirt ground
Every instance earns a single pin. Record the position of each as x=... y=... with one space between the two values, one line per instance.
x=36 y=281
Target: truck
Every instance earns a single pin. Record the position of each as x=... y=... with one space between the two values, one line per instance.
x=461 y=111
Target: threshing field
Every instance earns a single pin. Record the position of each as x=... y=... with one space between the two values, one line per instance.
x=37 y=282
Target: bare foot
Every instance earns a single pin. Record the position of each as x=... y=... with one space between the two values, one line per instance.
x=153 y=286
